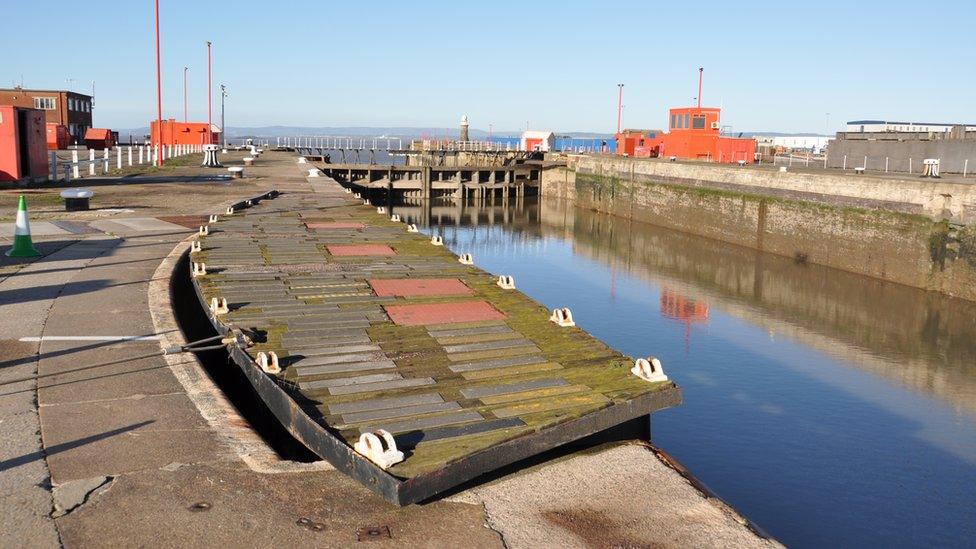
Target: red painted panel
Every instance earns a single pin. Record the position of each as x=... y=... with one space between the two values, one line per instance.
x=408 y=287
x=340 y=250
x=442 y=313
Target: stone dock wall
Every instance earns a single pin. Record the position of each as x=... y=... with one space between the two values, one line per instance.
x=897 y=240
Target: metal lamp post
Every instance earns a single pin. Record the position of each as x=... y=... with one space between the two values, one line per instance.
x=209 y=99
x=620 y=104
x=223 y=128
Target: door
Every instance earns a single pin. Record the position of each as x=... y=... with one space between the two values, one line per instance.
x=23 y=146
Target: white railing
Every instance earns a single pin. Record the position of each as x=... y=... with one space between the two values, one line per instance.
x=340 y=142
x=90 y=162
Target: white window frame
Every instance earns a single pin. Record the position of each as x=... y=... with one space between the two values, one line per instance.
x=45 y=103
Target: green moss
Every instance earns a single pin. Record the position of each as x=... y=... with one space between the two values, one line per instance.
x=967 y=244
x=939 y=245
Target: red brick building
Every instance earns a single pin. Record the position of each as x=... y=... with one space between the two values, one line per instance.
x=67 y=108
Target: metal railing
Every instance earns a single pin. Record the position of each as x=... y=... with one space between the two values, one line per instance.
x=339 y=142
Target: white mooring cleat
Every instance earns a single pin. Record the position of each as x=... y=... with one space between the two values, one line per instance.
x=466 y=259
x=395 y=218
x=380 y=448
x=198 y=269
x=204 y=230
x=218 y=306
x=195 y=246
x=411 y=228
x=437 y=240
x=381 y=210
x=268 y=362
x=213 y=218
x=649 y=369
x=302 y=160
x=506 y=282
x=563 y=317
x=230 y=210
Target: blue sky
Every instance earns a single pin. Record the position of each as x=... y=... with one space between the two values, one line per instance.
x=556 y=65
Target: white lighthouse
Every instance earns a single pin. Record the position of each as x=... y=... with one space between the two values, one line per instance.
x=464 y=128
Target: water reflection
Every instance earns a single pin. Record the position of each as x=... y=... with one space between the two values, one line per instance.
x=922 y=340
x=831 y=408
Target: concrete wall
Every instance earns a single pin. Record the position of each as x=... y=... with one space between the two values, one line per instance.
x=908 y=249
x=933 y=198
x=953 y=153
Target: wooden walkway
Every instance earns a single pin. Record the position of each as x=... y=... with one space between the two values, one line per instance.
x=377 y=328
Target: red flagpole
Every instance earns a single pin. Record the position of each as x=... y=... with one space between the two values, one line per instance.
x=159 y=96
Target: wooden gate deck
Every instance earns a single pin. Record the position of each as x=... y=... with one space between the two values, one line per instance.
x=377 y=328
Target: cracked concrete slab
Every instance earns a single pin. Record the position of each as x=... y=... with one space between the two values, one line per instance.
x=111 y=437
x=70 y=495
x=621 y=496
x=247 y=509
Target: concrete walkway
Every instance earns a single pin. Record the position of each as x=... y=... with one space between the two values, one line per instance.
x=107 y=442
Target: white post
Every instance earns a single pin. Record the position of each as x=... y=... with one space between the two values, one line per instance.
x=74 y=162
x=965 y=167
x=845 y=162
x=52 y=164
x=865 y=165
x=909 y=165
x=886 y=164
x=140 y=153
x=118 y=158
x=129 y=150
x=105 y=160
x=91 y=161
x=825 y=160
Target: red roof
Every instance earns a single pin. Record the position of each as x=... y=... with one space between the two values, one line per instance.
x=98 y=133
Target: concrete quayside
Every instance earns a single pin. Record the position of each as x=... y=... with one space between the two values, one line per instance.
x=134 y=446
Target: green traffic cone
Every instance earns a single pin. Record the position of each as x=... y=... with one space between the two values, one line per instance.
x=23 y=246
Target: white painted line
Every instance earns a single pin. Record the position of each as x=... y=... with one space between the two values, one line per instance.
x=91 y=338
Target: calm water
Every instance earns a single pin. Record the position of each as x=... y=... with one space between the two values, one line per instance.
x=829 y=408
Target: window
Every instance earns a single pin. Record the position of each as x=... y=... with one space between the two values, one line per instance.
x=674 y=121
x=698 y=123
x=46 y=103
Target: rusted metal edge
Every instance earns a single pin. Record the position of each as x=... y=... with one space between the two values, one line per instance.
x=336 y=451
